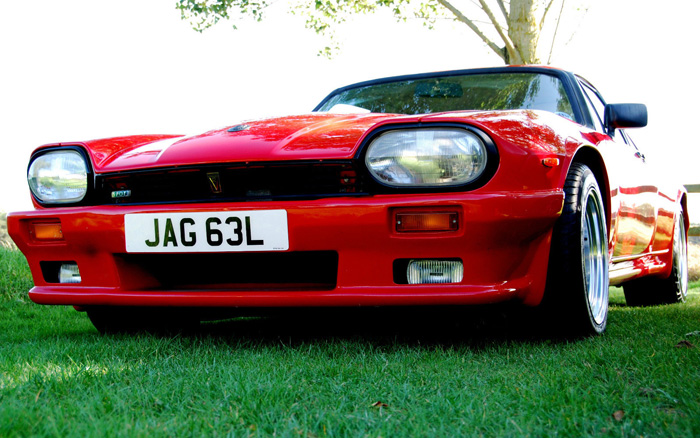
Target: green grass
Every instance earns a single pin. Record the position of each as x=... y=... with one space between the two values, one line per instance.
x=474 y=373
x=15 y=277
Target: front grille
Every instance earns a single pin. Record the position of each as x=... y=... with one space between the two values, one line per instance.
x=232 y=182
x=285 y=271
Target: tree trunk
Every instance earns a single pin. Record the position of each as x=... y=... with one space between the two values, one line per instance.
x=523 y=32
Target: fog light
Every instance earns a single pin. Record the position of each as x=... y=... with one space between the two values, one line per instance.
x=69 y=273
x=434 y=271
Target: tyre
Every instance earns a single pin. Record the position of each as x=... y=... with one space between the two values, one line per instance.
x=112 y=319
x=576 y=296
x=650 y=291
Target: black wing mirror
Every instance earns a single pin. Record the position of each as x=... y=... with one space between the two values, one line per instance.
x=625 y=115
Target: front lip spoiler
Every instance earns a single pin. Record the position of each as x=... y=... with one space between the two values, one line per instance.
x=347 y=296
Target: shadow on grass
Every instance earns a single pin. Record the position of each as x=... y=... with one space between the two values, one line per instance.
x=469 y=327
x=472 y=326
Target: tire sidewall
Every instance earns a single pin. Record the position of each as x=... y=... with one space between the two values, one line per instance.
x=680 y=257
x=590 y=192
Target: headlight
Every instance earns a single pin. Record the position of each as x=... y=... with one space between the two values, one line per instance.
x=58 y=177
x=426 y=157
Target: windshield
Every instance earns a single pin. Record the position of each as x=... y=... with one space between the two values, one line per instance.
x=489 y=91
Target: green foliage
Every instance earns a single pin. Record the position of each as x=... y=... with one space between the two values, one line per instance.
x=322 y=16
x=204 y=14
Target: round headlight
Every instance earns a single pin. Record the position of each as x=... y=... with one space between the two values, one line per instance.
x=422 y=157
x=58 y=177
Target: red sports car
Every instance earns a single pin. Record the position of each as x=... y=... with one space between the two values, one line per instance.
x=454 y=188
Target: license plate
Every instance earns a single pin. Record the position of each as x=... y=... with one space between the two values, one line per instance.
x=262 y=230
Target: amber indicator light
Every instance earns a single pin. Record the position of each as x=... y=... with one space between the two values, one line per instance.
x=427 y=221
x=550 y=162
x=46 y=231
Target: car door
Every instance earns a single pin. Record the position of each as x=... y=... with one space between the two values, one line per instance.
x=637 y=216
x=632 y=188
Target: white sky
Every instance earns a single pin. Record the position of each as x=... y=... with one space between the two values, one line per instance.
x=81 y=69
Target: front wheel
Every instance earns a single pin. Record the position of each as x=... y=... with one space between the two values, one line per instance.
x=576 y=296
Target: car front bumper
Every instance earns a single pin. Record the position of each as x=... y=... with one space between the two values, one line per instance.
x=503 y=241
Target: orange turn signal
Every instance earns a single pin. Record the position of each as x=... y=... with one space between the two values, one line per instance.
x=550 y=162
x=427 y=221
x=46 y=230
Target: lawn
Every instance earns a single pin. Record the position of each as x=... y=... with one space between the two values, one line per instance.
x=474 y=372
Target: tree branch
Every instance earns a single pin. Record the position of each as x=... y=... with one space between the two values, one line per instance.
x=546 y=9
x=461 y=17
x=556 y=29
x=503 y=9
x=499 y=28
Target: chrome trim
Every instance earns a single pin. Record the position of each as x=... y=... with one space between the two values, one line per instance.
x=638 y=256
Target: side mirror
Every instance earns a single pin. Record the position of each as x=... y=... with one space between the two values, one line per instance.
x=625 y=115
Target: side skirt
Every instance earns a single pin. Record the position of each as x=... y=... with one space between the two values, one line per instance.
x=627 y=268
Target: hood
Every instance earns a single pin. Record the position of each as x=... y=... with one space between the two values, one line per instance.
x=311 y=136
x=317 y=136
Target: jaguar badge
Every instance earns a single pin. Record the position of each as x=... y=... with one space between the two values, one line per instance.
x=214 y=182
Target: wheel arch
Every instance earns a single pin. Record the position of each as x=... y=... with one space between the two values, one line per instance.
x=592 y=158
x=686 y=215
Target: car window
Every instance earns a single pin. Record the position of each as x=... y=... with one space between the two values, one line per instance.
x=596 y=106
x=490 y=91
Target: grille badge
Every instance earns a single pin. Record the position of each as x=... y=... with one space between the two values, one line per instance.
x=214 y=182
x=121 y=194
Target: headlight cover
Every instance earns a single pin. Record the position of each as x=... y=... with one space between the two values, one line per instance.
x=58 y=177
x=426 y=157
